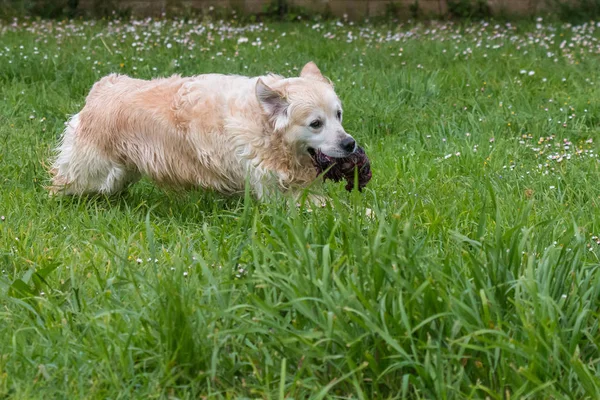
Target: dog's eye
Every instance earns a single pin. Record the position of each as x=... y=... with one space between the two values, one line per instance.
x=316 y=124
x=339 y=115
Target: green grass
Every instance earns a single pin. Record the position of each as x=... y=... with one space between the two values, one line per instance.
x=476 y=275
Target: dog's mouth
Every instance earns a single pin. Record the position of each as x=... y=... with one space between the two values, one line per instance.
x=320 y=160
x=337 y=169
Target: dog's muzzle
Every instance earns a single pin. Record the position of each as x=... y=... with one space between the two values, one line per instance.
x=348 y=144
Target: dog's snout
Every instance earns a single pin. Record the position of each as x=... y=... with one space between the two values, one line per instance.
x=348 y=144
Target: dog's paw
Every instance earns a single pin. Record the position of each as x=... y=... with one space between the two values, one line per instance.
x=316 y=200
x=58 y=184
x=312 y=201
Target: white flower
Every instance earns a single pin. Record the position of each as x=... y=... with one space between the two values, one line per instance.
x=531 y=73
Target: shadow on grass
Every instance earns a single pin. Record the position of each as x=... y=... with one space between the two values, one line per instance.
x=182 y=206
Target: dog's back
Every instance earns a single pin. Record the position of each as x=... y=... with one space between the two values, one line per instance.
x=170 y=129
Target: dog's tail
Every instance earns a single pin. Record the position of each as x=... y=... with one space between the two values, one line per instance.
x=59 y=166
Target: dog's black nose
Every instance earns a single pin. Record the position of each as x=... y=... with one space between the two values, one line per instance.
x=349 y=144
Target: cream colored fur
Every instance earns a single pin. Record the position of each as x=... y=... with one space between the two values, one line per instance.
x=213 y=131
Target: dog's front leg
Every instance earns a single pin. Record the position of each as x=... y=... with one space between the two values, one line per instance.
x=310 y=200
x=317 y=200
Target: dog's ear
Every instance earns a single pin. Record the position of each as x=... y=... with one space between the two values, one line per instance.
x=311 y=71
x=271 y=101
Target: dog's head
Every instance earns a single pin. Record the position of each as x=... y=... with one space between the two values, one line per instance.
x=307 y=112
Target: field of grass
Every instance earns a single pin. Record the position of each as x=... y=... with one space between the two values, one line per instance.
x=475 y=275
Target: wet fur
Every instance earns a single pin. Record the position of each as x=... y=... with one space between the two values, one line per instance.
x=213 y=131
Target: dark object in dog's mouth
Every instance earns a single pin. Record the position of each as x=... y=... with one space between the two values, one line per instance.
x=343 y=168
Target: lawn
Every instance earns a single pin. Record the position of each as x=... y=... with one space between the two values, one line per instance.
x=468 y=268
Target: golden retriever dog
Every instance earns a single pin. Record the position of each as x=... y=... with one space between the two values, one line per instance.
x=213 y=131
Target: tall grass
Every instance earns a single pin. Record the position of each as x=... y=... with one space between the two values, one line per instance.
x=467 y=269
